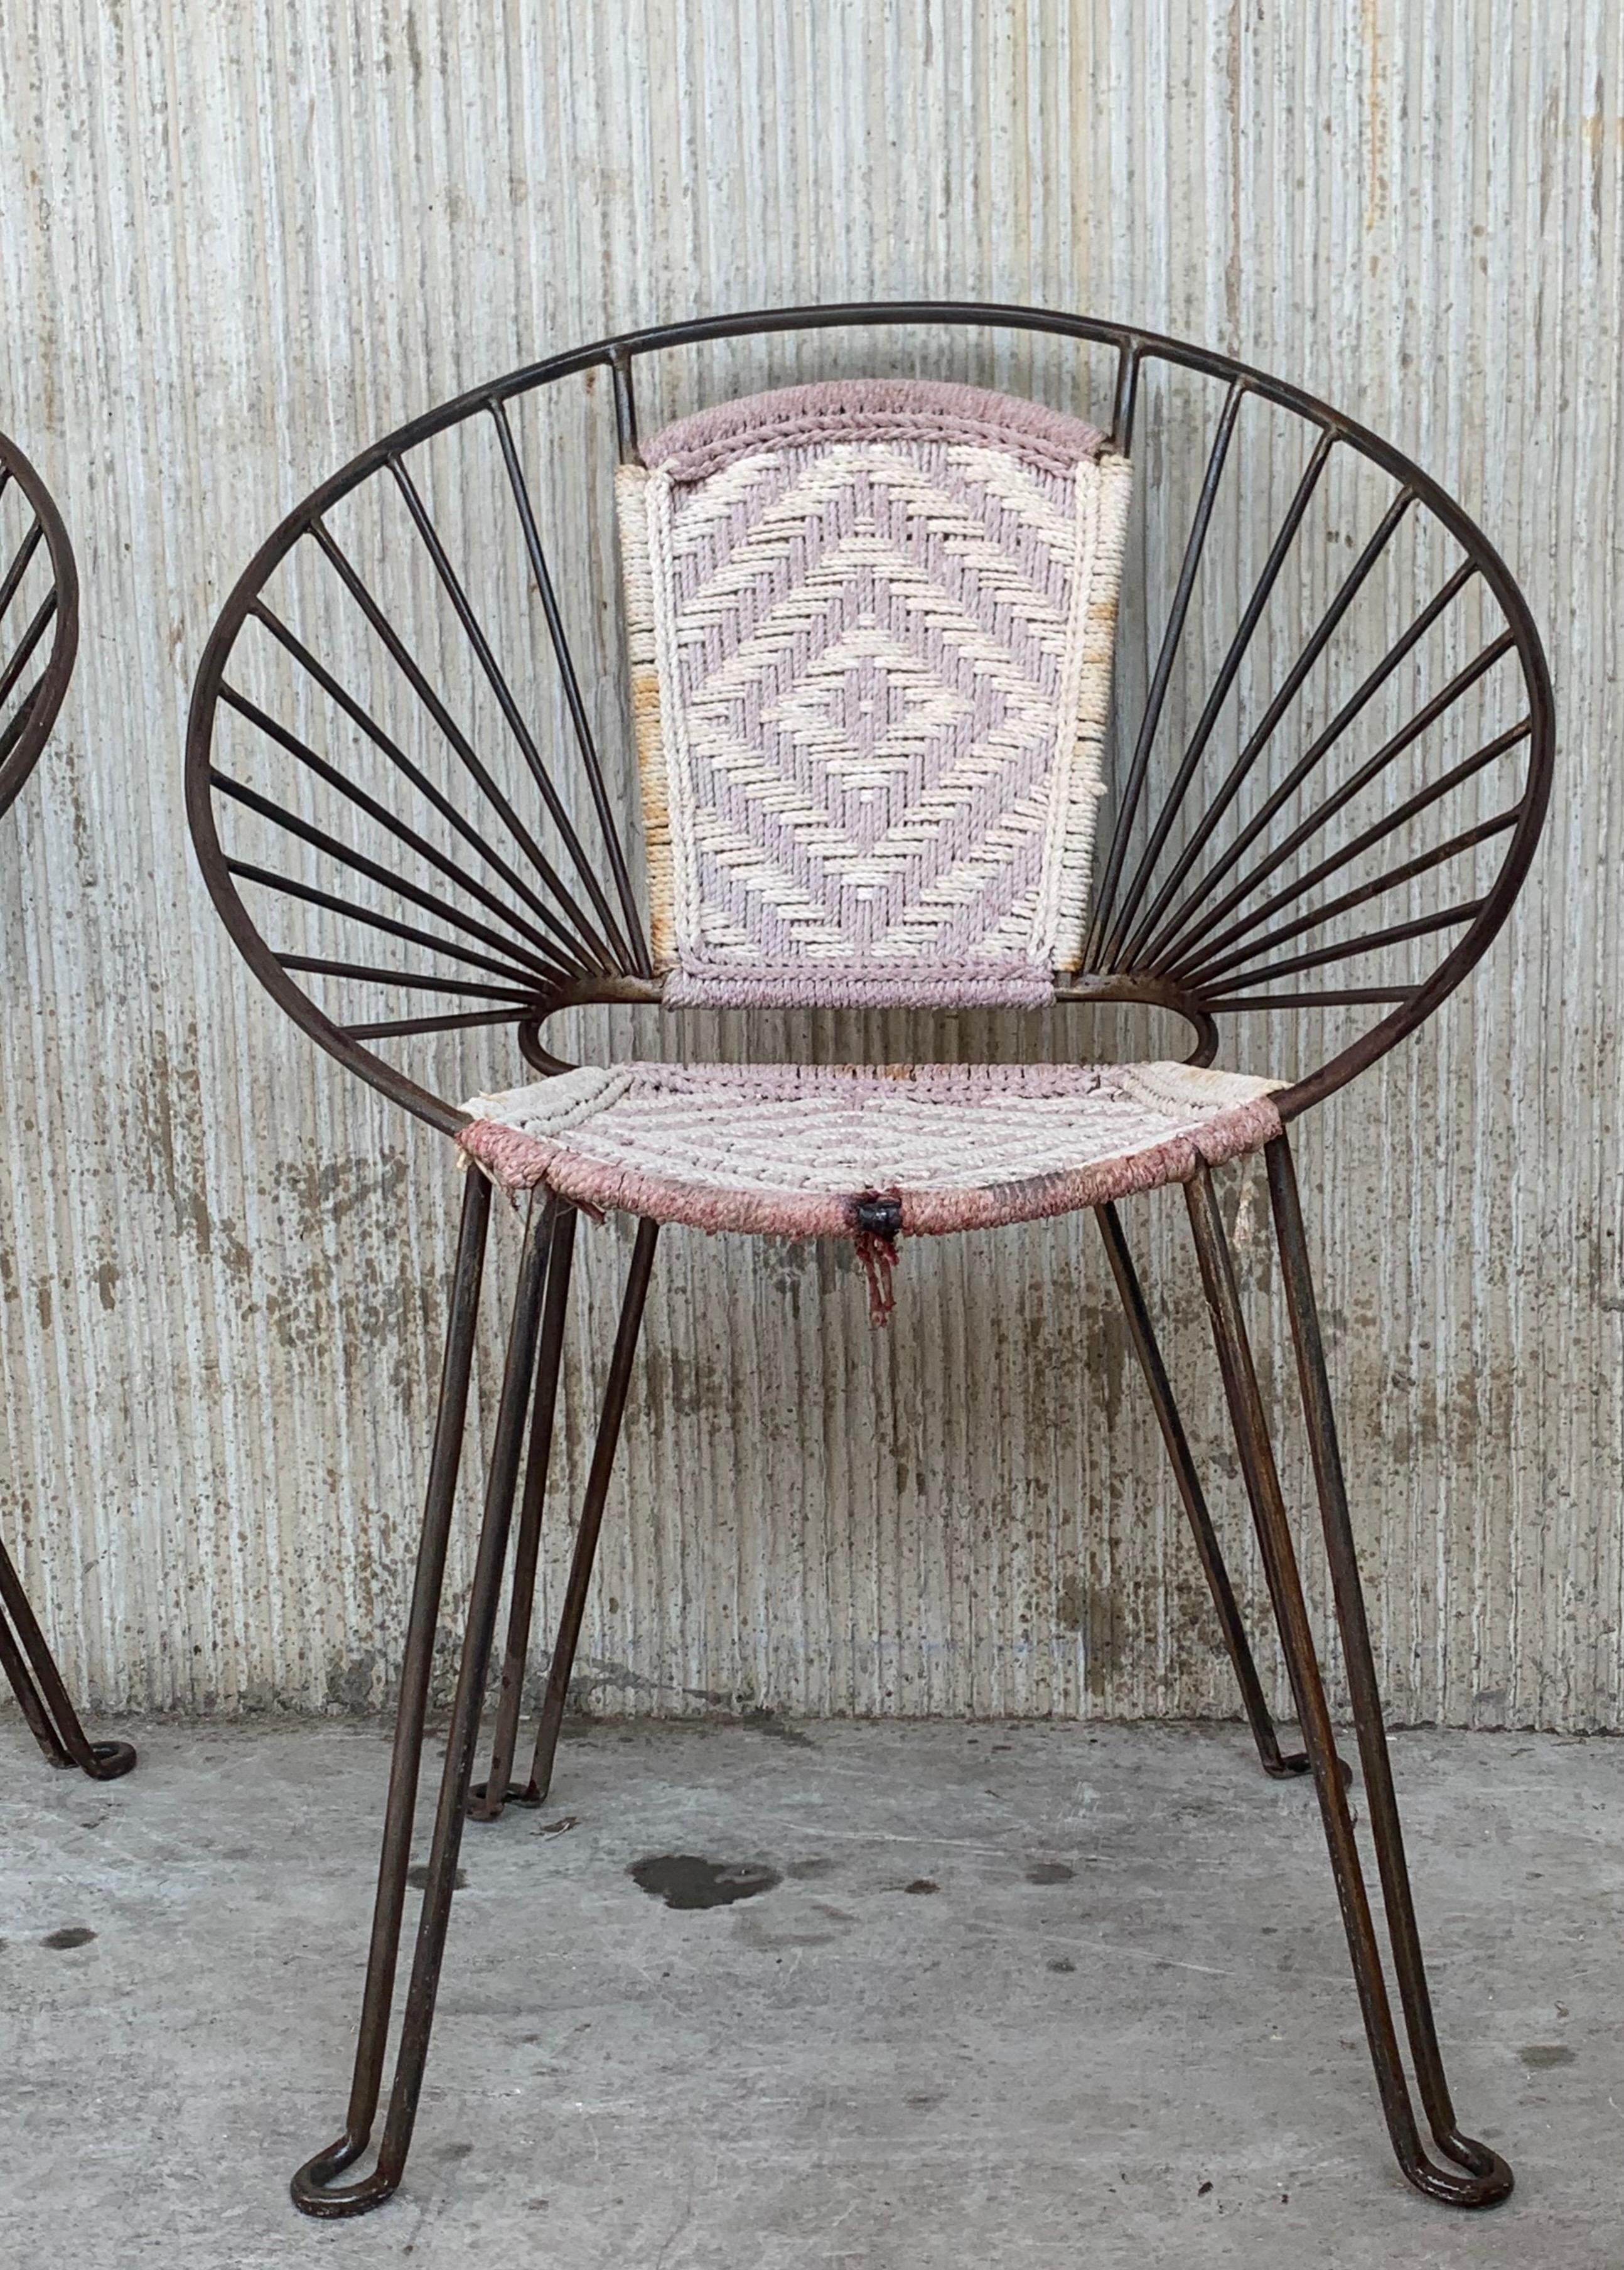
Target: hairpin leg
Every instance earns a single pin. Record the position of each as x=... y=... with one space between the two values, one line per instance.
x=1353 y=1624
x=1235 y=1640
x=489 y=1796
x=592 y=1513
x=28 y=1664
x=310 y=2190
x=1479 y=2176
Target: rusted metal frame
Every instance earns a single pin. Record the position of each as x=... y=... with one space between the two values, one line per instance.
x=612 y=1414
x=1367 y=942
x=1357 y=782
x=1229 y=670
x=1132 y=348
x=1102 y=930
x=487 y=1798
x=22 y=652
x=518 y=955
x=1377 y=887
x=300 y=751
x=1264 y=732
x=1125 y=402
x=1230 y=1004
x=42 y=1692
x=1387 y=1833
x=313 y=895
x=625 y=391
x=314 y=2189
x=12 y=731
x=362 y=974
x=22 y=559
x=1478 y=2177
x=1152 y=991
x=462 y=747
x=611 y=955
x=25 y=1657
x=399 y=1027
x=410 y=771
x=1433 y=793
x=1140 y=1330
x=14 y=1664
x=585 y=739
x=1173 y=941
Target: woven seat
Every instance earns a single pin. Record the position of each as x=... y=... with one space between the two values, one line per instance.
x=795 y=1150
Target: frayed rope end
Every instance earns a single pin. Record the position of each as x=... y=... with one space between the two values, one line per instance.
x=877 y=1229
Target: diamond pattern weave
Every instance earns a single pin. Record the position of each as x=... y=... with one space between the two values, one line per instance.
x=870 y=630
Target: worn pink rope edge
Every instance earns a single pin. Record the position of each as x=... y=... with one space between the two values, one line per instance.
x=871 y=410
x=519 y=1162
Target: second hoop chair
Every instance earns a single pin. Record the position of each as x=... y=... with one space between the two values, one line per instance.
x=870 y=636
x=38 y=636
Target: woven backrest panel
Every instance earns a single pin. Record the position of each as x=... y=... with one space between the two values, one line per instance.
x=871 y=628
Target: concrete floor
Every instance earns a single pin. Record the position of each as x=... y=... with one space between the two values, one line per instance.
x=1028 y=1995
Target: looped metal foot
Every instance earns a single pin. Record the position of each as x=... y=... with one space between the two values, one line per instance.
x=1286 y=1764
x=109 y=1760
x=43 y=1697
x=518 y=1792
x=311 y=2188
x=1488 y=2182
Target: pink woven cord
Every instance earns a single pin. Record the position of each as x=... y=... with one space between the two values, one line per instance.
x=521 y=1161
x=871 y=410
x=840 y=986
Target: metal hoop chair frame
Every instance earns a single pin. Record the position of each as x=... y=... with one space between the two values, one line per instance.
x=1156 y=937
x=26 y=716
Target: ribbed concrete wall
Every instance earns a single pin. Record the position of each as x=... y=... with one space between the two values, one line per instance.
x=235 y=243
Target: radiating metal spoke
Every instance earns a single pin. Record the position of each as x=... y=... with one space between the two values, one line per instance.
x=1204 y=973
x=1424 y=719
x=398 y=1027
x=619 y=954
x=1127 y=396
x=625 y=406
x=462 y=747
x=20 y=559
x=1388 y=825
x=414 y=773
x=1268 y=724
x=574 y=702
x=1170 y=639
x=1174 y=936
x=1223 y=683
x=1343 y=997
x=382 y=817
x=362 y=974
x=313 y=895
x=26 y=647
x=1368 y=942
x=545 y=963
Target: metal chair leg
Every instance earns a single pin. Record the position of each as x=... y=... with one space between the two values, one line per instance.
x=309 y=2184
x=592 y=1513
x=1353 y=1624
x=1189 y=1490
x=29 y=1665
x=1486 y=2179
x=488 y=1797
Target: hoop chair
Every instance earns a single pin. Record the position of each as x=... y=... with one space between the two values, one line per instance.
x=39 y=595
x=1319 y=793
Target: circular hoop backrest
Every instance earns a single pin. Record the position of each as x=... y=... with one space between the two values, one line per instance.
x=1333 y=720
x=38 y=593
